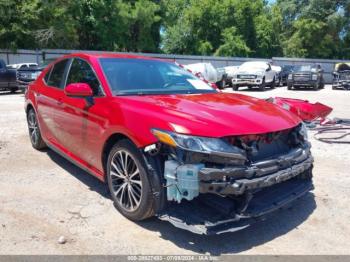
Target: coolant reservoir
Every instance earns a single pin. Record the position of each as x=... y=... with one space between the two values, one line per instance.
x=181 y=180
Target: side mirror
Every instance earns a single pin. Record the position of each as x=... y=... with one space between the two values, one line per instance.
x=82 y=90
x=268 y=69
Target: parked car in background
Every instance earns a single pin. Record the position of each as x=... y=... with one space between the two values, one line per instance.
x=27 y=75
x=230 y=72
x=208 y=72
x=286 y=70
x=278 y=71
x=7 y=78
x=255 y=74
x=169 y=144
x=341 y=76
x=306 y=76
x=22 y=65
x=222 y=75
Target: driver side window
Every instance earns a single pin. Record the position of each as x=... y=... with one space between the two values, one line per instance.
x=81 y=72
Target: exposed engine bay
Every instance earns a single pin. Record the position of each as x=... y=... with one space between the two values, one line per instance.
x=212 y=192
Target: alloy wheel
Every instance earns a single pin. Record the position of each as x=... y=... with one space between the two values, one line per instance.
x=126 y=180
x=33 y=127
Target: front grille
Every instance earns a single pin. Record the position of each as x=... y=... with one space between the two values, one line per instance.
x=265 y=146
x=246 y=76
x=302 y=77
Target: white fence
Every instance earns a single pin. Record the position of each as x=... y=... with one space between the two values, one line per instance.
x=21 y=56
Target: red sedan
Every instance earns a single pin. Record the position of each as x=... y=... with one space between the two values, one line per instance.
x=169 y=144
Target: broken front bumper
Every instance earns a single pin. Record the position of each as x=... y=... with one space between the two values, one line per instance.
x=258 y=175
x=232 y=199
x=216 y=216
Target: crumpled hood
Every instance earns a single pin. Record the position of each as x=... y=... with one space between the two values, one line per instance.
x=210 y=115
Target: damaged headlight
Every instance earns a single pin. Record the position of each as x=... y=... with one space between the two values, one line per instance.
x=199 y=144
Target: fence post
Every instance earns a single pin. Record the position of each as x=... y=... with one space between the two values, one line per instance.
x=7 y=57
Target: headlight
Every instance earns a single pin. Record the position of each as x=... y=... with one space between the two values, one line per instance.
x=314 y=77
x=303 y=131
x=199 y=144
x=290 y=76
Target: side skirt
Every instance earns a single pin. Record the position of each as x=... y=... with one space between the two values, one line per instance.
x=99 y=176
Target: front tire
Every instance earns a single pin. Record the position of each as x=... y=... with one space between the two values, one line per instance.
x=128 y=182
x=273 y=84
x=262 y=85
x=34 y=130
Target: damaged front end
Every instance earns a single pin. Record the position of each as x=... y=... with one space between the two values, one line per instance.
x=212 y=185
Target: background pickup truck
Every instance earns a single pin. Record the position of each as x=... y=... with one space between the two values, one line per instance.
x=7 y=78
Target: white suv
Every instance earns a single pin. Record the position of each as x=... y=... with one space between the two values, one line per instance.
x=251 y=74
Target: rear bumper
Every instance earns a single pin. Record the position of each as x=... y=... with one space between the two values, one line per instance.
x=23 y=84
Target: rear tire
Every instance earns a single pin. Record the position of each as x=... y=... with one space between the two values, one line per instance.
x=234 y=87
x=128 y=182
x=289 y=87
x=34 y=130
x=221 y=85
x=14 y=90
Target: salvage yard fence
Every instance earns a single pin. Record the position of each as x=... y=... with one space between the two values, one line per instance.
x=36 y=56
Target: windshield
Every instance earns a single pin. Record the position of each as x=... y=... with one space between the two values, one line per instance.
x=143 y=76
x=288 y=68
x=304 y=68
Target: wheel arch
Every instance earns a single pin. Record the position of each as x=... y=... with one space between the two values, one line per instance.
x=28 y=107
x=107 y=146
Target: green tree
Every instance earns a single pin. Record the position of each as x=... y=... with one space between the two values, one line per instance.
x=15 y=18
x=233 y=45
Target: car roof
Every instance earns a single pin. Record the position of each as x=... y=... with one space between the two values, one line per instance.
x=111 y=55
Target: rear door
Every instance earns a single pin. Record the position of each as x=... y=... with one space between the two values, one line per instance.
x=49 y=97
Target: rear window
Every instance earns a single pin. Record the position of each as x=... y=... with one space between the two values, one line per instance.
x=56 y=76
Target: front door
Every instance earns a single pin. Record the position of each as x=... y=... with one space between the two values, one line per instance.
x=79 y=125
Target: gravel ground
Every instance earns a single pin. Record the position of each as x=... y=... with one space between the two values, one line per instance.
x=44 y=197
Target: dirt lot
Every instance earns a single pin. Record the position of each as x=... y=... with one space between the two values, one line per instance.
x=43 y=197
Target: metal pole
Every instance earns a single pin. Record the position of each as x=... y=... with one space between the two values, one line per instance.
x=7 y=57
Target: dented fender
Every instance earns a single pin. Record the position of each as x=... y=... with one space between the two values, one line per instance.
x=307 y=111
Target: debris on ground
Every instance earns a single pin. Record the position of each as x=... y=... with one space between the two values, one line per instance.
x=62 y=240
